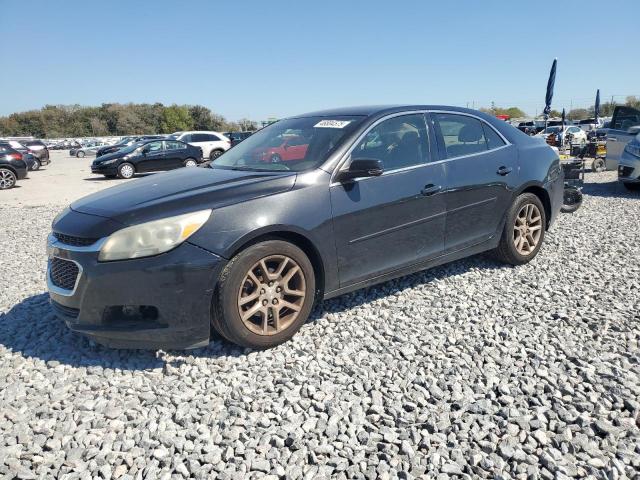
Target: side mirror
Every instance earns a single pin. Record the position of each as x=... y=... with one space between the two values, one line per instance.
x=634 y=130
x=145 y=150
x=361 y=167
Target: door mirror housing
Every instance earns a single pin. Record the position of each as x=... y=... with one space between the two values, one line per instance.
x=361 y=167
x=634 y=130
x=146 y=149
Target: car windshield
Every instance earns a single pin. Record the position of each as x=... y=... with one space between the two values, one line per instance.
x=294 y=144
x=132 y=147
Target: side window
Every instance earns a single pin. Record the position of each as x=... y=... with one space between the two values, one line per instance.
x=624 y=118
x=187 y=138
x=173 y=145
x=493 y=139
x=198 y=137
x=462 y=135
x=153 y=147
x=398 y=142
x=212 y=138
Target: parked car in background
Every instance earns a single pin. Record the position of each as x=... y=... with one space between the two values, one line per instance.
x=32 y=162
x=629 y=164
x=213 y=144
x=285 y=148
x=87 y=151
x=589 y=124
x=249 y=246
x=624 y=126
x=147 y=156
x=237 y=137
x=531 y=127
x=576 y=134
x=12 y=167
x=125 y=142
x=38 y=149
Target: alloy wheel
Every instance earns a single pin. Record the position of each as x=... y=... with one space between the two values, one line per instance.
x=271 y=295
x=190 y=163
x=527 y=229
x=126 y=171
x=7 y=179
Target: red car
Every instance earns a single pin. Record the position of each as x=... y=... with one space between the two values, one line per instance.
x=283 y=149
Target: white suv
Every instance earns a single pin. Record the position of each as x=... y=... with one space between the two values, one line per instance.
x=213 y=144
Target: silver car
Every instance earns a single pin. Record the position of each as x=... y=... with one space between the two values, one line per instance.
x=625 y=125
x=629 y=165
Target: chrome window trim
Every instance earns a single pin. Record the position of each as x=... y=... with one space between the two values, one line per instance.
x=347 y=155
x=58 y=290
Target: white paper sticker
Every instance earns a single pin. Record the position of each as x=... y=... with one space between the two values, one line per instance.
x=332 y=124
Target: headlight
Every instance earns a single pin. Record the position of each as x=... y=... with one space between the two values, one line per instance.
x=152 y=238
x=633 y=149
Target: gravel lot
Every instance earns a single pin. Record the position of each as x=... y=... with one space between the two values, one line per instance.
x=472 y=369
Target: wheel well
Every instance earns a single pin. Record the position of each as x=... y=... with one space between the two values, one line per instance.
x=543 y=195
x=11 y=169
x=303 y=244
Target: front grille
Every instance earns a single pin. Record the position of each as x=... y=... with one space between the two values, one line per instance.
x=63 y=273
x=624 y=171
x=74 y=241
x=63 y=311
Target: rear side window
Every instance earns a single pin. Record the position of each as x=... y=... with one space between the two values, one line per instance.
x=493 y=139
x=462 y=135
x=173 y=145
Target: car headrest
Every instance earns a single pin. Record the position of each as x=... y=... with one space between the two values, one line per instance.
x=410 y=138
x=470 y=133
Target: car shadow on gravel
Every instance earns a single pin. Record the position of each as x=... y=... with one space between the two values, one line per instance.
x=612 y=189
x=31 y=329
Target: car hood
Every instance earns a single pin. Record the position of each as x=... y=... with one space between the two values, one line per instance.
x=181 y=191
x=111 y=155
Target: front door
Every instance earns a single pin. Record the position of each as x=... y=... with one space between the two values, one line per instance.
x=620 y=133
x=482 y=170
x=152 y=157
x=384 y=223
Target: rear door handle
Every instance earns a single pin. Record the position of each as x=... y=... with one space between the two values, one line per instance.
x=430 y=189
x=504 y=171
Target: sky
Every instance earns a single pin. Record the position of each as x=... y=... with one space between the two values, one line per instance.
x=262 y=59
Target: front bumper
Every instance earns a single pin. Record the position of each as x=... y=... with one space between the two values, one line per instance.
x=105 y=169
x=159 y=302
x=629 y=169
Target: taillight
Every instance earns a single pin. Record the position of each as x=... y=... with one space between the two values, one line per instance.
x=15 y=156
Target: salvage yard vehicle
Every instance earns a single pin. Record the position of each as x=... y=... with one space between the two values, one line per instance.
x=213 y=144
x=12 y=167
x=624 y=126
x=147 y=156
x=38 y=149
x=247 y=247
x=28 y=157
x=87 y=151
x=570 y=133
x=629 y=165
x=125 y=142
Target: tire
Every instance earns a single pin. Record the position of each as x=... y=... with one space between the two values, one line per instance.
x=506 y=250
x=80 y=154
x=126 y=170
x=275 y=158
x=190 y=162
x=36 y=165
x=215 y=154
x=572 y=200
x=632 y=187
x=235 y=284
x=7 y=179
x=598 y=165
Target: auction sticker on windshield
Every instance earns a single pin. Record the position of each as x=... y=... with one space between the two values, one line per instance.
x=332 y=124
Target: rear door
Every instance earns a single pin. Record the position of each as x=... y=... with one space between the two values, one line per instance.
x=482 y=170
x=395 y=220
x=620 y=133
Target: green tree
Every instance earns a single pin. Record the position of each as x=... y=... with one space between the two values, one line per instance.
x=175 y=118
x=633 y=102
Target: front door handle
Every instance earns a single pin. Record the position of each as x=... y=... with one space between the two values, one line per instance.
x=430 y=189
x=504 y=171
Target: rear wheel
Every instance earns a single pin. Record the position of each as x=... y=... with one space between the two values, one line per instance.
x=523 y=232
x=215 y=154
x=80 y=154
x=275 y=158
x=36 y=165
x=264 y=295
x=126 y=170
x=7 y=179
x=190 y=162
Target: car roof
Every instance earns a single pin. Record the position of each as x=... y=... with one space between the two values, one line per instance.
x=370 y=110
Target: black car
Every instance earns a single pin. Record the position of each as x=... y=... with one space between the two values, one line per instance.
x=237 y=137
x=147 y=156
x=125 y=142
x=248 y=245
x=12 y=167
x=38 y=149
x=27 y=156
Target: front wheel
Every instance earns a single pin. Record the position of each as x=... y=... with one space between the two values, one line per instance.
x=7 y=179
x=126 y=170
x=264 y=295
x=36 y=165
x=80 y=154
x=523 y=232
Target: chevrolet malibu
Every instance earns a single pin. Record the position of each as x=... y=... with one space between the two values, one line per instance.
x=247 y=247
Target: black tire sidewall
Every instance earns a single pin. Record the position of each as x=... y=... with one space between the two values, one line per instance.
x=15 y=179
x=215 y=154
x=228 y=321
x=507 y=248
x=191 y=160
x=275 y=158
x=36 y=165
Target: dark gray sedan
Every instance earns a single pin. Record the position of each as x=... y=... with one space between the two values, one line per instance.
x=308 y=208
